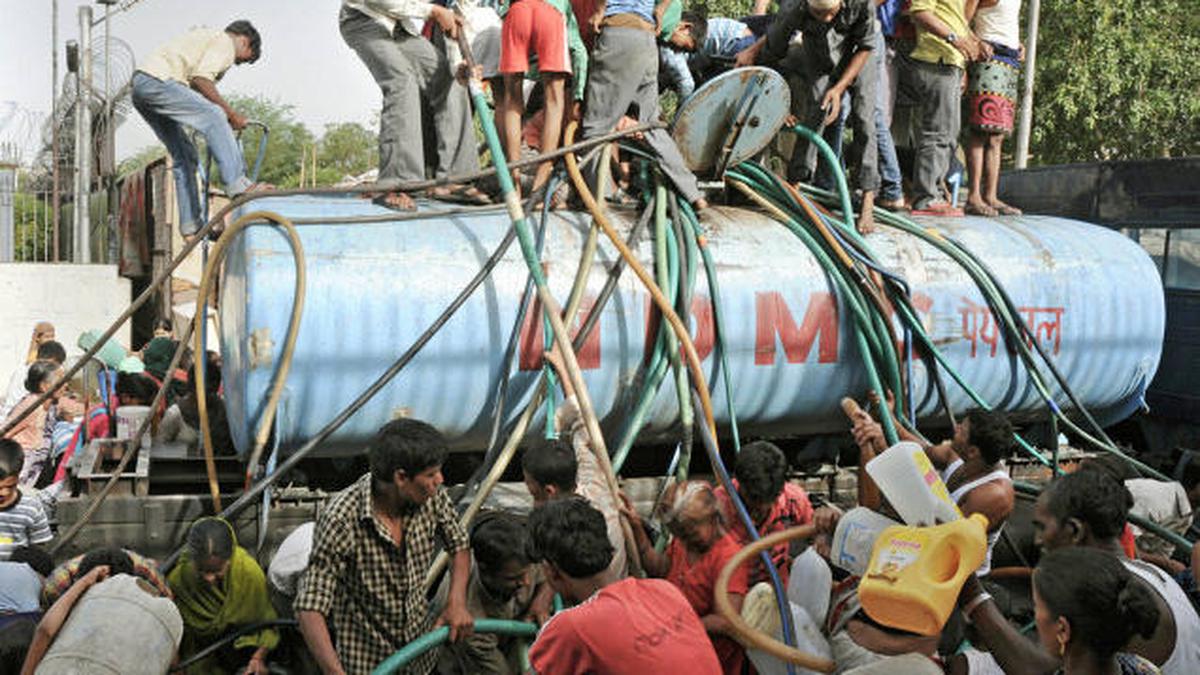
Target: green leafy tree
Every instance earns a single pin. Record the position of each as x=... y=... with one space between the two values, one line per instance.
x=140 y=159
x=1116 y=80
x=285 y=145
x=345 y=149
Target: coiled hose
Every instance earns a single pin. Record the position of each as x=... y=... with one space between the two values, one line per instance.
x=285 y=359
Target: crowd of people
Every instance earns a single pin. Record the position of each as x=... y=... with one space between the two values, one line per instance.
x=355 y=579
x=1107 y=598
x=605 y=65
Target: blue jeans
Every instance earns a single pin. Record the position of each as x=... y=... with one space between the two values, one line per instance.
x=890 y=188
x=169 y=106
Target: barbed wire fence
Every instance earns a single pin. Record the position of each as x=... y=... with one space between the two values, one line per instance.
x=28 y=162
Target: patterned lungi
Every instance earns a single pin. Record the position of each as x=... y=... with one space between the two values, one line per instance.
x=992 y=91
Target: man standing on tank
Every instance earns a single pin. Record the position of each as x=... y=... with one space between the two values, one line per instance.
x=409 y=68
x=624 y=72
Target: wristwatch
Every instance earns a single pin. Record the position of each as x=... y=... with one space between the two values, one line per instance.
x=951 y=37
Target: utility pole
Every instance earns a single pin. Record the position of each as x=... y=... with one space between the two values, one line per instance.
x=54 y=159
x=1026 y=122
x=109 y=180
x=83 y=140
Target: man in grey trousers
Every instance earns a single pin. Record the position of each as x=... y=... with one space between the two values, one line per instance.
x=624 y=71
x=386 y=35
x=839 y=39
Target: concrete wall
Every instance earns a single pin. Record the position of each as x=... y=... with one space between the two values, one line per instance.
x=75 y=298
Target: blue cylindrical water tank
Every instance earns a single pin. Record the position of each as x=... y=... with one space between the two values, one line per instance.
x=1093 y=298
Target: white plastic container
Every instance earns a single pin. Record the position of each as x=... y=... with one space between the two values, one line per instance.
x=809 y=583
x=129 y=418
x=907 y=478
x=854 y=539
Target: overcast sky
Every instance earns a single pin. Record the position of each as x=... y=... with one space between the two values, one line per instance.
x=304 y=61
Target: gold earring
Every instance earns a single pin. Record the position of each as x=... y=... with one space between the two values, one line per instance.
x=1062 y=646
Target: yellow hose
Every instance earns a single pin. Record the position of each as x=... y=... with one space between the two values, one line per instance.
x=289 y=345
x=746 y=634
x=693 y=358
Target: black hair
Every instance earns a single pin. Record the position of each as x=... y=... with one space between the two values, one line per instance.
x=211 y=538
x=1094 y=497
x=407 y=445
x=761 y=471
x=243 y=27
x=1116 y=467
x=12 y=458
x=39 y=371
x=992 y=433
x=39 y=560
x=552 y=464
x=52 y=351
x=699 y=26
x=15 y=639
x=498 y=539
x=571 y=534
x=1190 y=475
x=117 y=559
x=212 y=374
x=137 y=386
x=1105 y=604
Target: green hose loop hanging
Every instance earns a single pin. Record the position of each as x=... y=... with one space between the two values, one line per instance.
x=396 y=662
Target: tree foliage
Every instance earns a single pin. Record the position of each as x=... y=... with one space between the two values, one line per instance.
x=1116 y=80
x=286 y=144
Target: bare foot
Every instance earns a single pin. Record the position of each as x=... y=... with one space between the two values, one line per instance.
x=976 y=207
x=396 y=201
x=1004 y=209
x=866 y=216
x=699 y=205
x=866 y=222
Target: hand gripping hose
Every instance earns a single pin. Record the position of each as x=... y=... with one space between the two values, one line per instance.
x=412 y=650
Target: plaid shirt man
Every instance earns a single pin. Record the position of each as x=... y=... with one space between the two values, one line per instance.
x=371 y=589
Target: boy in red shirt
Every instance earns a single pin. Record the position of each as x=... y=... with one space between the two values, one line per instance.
x=627 y=626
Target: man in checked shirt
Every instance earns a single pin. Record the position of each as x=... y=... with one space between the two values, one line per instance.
x=372 y=547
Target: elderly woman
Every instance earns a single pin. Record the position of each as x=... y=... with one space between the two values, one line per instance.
x=31 y=431
x=700 y=547
x=219 y=588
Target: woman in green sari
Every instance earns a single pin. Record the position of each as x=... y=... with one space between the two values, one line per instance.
x=219 y=588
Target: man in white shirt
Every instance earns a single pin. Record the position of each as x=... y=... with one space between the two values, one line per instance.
x=176 y=87
x=387 y=36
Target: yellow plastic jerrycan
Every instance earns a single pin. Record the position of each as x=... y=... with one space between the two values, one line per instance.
x=915 y=573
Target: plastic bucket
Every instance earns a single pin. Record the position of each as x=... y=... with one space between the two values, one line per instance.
x=112 y=353
x=129 y=418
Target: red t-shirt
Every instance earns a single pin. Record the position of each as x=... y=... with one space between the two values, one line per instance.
x=791 y=509
x=631 y=626
x=698 y=580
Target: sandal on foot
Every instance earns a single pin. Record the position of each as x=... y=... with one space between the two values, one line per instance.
x=937 y=209
x=460 y=194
